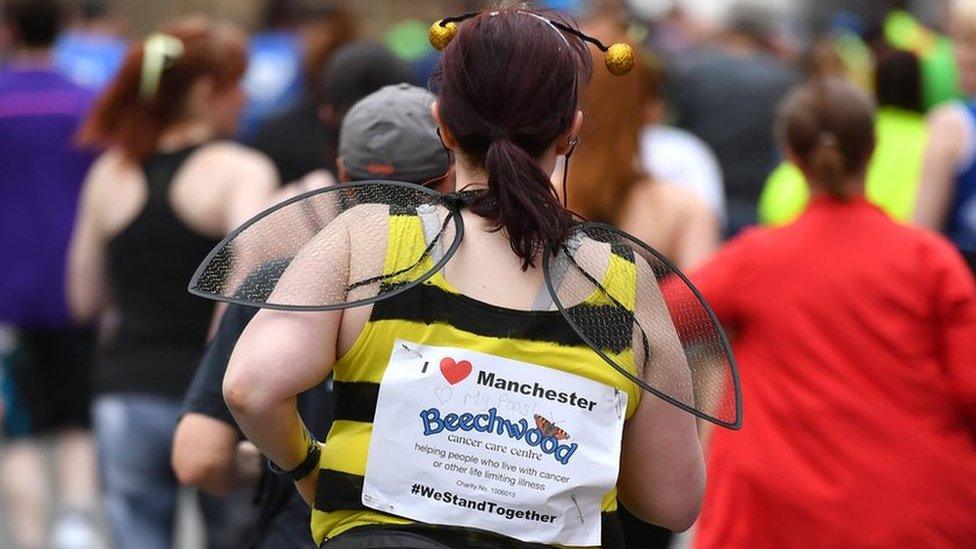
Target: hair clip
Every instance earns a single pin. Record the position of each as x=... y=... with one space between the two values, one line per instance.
x=159 y=51
x=619 y=58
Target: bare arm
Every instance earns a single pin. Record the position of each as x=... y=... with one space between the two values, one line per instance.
x=942 y=155
x=280 y=355
x=207 y=455
x=252 y=191
x=249 y=193
x=700 y=236
x=87 y=285
x=662 y=471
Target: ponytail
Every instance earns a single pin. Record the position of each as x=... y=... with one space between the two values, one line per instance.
x=150 y=89
x=522 y=201
x=827 y=166
x=828 y=127
x=508 y=88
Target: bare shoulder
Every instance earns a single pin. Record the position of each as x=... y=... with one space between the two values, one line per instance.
x=691 y=202
x=364 y=215
x=948 y=120
x=114 y=190
x=236 y=171
x=238 y=159
x=677 y=198
x=319 y=179
x=110 y=174
x=108 y=166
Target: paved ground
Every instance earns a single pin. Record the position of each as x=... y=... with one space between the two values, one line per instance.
x=189 y=526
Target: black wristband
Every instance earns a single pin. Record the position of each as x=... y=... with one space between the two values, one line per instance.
x=304 y=468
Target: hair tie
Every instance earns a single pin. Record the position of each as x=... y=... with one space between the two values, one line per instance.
x=497 y=133
x=159 y=52
x=827 y=139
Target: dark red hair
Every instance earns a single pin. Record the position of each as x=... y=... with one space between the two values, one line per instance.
x=124 y=119
x=508 y=86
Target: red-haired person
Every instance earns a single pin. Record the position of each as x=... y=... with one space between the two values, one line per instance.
x=606 y=181
x=155 y=203
x=855 y=341
x=508 y=96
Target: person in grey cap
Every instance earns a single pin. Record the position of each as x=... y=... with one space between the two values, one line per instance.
x=389 y=134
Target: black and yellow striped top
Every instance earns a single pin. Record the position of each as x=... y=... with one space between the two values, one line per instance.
x=435 y=313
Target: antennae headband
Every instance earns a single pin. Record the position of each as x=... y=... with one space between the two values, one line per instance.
x=619 y=58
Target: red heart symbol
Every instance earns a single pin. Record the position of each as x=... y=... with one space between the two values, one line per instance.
x=455 y=372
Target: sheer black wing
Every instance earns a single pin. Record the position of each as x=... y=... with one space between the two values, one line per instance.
x=333 y=248
x=646 y=319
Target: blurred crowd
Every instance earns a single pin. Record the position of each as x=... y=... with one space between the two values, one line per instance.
x=125 y=159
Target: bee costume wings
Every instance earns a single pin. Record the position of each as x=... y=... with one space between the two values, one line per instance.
x=352 y=244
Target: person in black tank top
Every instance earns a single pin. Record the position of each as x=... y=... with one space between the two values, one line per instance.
x=162 y=329
x=154 y=205
x=144 y=368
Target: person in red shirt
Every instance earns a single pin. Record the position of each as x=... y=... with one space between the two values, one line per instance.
x=856 y=342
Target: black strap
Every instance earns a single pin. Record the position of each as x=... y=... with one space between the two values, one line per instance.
x=337 y=491
x=387 y=276
x=160 y=171
x=304 y=468
x=356 y=400
x=626 y=253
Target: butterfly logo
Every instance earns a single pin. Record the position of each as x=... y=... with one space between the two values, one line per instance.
x=550 y=429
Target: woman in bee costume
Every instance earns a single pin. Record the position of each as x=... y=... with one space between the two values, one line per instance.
x=489 y=351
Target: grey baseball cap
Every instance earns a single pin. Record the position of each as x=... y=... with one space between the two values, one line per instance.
x=390 y=134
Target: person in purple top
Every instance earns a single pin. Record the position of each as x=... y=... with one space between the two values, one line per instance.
x=90 y=52
x=44 y=360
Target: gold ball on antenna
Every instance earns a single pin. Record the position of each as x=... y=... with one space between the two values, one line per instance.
x=620 y=59
x=440 y=35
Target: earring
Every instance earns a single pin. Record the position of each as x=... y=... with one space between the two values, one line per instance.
x=571 y=143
